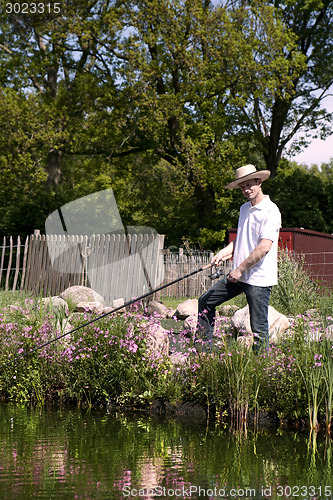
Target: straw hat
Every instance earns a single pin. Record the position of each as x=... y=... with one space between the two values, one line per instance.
x=248 y=172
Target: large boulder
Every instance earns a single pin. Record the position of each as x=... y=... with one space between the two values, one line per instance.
x=171 y=314
x=156 y=307
x=278 y=323
x=187 y=308
x=79 y=293
x=117 y=304
x=191 y=324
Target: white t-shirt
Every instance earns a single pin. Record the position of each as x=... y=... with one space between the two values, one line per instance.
x=255 y=223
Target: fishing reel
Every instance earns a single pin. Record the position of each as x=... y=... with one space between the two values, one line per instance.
x=217 y=273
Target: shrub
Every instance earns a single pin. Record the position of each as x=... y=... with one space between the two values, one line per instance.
x=296 y=291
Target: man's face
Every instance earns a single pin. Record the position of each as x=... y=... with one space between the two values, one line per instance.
x=251 y=189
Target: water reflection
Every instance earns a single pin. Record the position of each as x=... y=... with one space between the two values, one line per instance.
x=48 y=453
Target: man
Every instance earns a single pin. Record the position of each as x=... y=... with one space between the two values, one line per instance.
x=254 y=255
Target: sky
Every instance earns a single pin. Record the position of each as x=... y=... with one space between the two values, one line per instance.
x=318 y=151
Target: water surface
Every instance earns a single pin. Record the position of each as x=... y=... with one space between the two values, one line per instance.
x=71 y=453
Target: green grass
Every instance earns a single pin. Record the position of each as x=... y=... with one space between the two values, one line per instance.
x=173 y=302
x=14 y=298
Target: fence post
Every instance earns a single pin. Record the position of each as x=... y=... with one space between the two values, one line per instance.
x=2 y=256
x=17 y=266
x=24 y=265
x=9 y=262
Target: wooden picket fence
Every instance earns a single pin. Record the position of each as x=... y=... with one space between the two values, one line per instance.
x=114 y=265
x=178 y=264
x=13 y=263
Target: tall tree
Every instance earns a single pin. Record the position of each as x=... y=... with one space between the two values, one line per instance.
x=53 y=54
x=294 y=105
x=184 y=68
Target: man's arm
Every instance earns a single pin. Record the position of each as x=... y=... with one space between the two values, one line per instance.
x=224 y=254
x=255 y=256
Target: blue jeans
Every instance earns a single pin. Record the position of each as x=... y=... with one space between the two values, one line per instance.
x=257 y=299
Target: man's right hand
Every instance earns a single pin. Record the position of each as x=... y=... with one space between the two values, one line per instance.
x=224 y=254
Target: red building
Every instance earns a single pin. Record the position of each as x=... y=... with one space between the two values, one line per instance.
x=316 y=247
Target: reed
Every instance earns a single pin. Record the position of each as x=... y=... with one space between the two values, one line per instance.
x=327 y=367
x=308 y=358
x=238 y=361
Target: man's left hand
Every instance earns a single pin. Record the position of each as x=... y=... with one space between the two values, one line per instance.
x=234 y=275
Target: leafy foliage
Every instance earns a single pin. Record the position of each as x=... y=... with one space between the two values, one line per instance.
x=303 y=198
x=160 y=101
x=295 y=289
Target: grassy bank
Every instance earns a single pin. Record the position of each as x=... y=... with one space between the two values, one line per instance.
x=110 y=362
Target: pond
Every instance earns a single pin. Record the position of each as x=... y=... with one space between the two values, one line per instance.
x=71 y=453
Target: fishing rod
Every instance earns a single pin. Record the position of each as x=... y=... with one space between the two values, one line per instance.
x=215 y=275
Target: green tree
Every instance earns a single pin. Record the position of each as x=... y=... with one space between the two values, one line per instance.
x=184 y=68
x=305 y=70
x=51 y=114
x=161 y=100
x=22 y=193
x=54 y=56
x=303 y=197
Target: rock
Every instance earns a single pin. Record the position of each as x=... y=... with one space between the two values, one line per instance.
x=107 y=310
x=241 y=321
x=178 y=359
x=190 y=322
x=171 y=313
x=246 y=340
x=155 y=306
x=64 y=327
x=187 y=308
x=55 y=302
x=78 y=293
x=95 y=307
x=157 y=340
x=227 y=310
x=118 y=303
x=278 y=323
